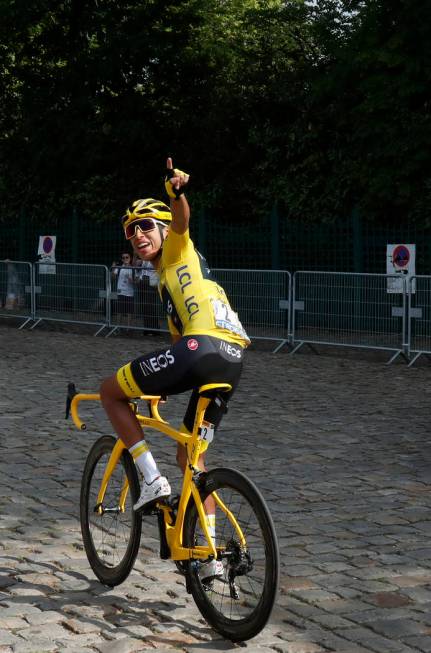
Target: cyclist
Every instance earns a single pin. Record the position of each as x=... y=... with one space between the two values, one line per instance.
x=208 y=338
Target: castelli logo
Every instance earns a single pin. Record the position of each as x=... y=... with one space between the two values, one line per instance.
x=192 y=344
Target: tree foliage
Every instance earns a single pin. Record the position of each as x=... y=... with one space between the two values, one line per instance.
x=320 y=106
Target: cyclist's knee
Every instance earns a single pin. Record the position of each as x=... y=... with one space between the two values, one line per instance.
x=110 y=391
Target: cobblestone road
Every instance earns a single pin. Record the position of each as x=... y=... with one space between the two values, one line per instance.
x=339 y=445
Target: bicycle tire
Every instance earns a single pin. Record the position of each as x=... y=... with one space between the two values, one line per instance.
x=241 y=617
x=111 y=538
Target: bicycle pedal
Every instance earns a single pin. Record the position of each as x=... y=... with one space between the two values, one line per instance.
x=148 y=508
x=173 y=501
x=153 y=507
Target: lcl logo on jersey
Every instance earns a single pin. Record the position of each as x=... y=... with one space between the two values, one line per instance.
x=185 y=279
x=157 y=363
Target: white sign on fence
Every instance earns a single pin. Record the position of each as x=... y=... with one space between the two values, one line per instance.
x=46 y=253
x=400 y=262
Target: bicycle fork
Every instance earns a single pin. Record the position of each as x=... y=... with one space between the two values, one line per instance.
x=114 y=458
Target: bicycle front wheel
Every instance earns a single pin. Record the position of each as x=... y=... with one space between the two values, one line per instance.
x=238 y=601
x=111 y=532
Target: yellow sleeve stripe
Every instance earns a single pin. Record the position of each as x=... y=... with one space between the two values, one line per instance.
x=127 y=383
x=140 y=450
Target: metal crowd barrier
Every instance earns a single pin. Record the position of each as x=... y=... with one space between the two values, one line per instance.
x=419 y=324
x=71 y=292
x=262 y=300
x=16 y=290
x=350 y=310
x=370 y=311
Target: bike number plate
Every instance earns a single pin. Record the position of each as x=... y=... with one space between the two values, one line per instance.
x=206 y=432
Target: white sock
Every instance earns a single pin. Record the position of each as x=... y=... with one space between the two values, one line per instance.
x=144 y=461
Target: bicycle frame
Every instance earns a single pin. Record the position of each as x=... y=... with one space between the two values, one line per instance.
x=192 y=442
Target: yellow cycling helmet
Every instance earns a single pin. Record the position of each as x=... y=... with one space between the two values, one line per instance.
x=147 y=208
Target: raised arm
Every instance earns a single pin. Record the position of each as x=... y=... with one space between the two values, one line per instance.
x=175 y=183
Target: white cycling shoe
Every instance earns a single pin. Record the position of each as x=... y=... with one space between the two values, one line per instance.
x=210 y=570
x=156 y=490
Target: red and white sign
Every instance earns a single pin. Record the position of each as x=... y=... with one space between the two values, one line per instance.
x=401 y=265
x=46 y=253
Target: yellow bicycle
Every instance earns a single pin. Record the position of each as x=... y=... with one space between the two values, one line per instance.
x=237 y=603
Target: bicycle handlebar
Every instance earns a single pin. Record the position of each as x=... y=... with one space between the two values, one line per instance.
x=74 y=408
x=73 y=399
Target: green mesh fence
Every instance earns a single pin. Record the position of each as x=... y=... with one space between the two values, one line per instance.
x=273 y=242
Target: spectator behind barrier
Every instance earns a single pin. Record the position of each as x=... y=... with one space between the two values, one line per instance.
x=123 y=273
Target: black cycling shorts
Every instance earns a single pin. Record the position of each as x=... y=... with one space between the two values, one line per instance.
x=189 y=363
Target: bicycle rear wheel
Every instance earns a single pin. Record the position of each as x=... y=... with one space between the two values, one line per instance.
x=111 y=536
x=238 y=603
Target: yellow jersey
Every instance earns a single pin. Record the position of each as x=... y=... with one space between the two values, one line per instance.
x=194 y=303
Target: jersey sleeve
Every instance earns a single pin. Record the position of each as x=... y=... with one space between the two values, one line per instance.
x=174 y=247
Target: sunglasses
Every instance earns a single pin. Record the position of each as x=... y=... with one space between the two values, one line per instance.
x=144 y=224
